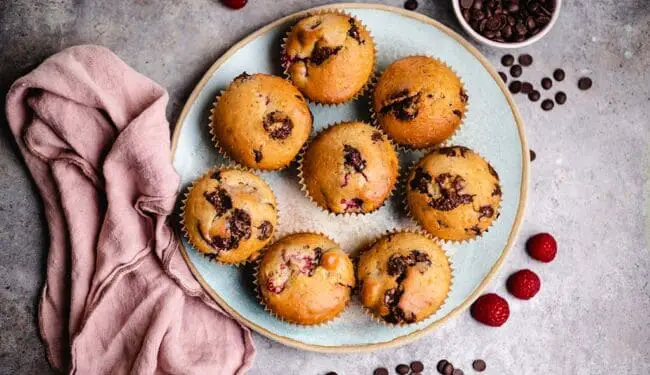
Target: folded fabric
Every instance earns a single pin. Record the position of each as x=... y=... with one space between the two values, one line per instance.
x=118 y=296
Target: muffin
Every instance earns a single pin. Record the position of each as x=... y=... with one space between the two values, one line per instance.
x=349 y=168
x=230 y=215
x=404 y=277
x=454 y=193
x=330 y=57
x=261 y=121
x=305 y=278
x=419 y=102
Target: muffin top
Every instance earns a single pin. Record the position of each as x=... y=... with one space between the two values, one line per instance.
x=261 y=121
x=305 y=278
x=350 y=167
x=454 y=193
x=230 y=215
x=329 y=57
x=419 y=101
x=404 y=277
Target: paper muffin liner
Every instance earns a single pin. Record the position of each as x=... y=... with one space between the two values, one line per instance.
x=303 y=185
x=258 y=292
x=371 y=78
x=413 y=219
x=404 y=148
x=225 y=154
x=368 y=312
x=209 y=256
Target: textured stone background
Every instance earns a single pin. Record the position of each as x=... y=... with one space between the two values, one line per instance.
x=587 y=184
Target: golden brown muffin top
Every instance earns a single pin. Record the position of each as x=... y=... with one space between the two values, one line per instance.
x=350 y=167
x=305 y=278
x=230 y=215
x=454 y=193
x=404 y=277
x=261 y=121
x=419 y=101
x=330 y=57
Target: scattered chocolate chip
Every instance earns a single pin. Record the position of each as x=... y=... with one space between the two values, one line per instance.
x=526 y=88
x=258 y=156
x=526 y=59
x=239 y=226
x=353 y=31
x=402 y=369
x=458 y=113
x=547 y=104
x=448 y=369
x=534 y=96
x=417 y=366
x=266 y=228
x=402 y=105
x=479 y=365
x=485 y=211
x=411 y=4
x=584 y=83
x=441 y=365
x=507 y=60
x=278 y=125
x=516 y=70
x=458 y=372
x=376 y=137
x=331 y=373
x=380 y=371
x=533 y=155
x=421 y=181
x=559 y=75
x=515 y=87
x=448 y=196
x=560 y=97
x=503 y=76
x=496 y=192
x=220 y=200
x=547 y=83
x=216 y=176
x=322 y=53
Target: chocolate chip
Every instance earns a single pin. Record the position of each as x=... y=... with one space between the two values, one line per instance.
x=485 y=211
x=441 y=365
x=421 y=181
x=560 y=97
x=411 y=4
x=331 y=373
x=584 y=83
x=458 y=113
x=534 y=96
x=448 y=195
x=353 y=31
x=516 y=70
x=479 y=365
x=278 y=125
x=376 y=137
x=448 y=369
x=507 y=60
x=547 y=104
x=458 y=372
x=380 y=371
x=266 y=228
x=322 y=53
x=239 y=226
x=402 y=105
x=526 y=59
x=533 y=155
x=515 y=87
x=352 y=158
x=220 y=200
x=503 y=76
x=258 y=155
x=216 y=176
x=417 y=366
x=559 y=75
x=547 y=83
x=526 y=88
x=402 y=369
x=496 y=192
x=242 y=77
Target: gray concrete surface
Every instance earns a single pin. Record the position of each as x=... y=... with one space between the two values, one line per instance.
x=587 y=184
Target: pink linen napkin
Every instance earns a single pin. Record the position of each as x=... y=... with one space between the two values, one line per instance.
x=118 y=296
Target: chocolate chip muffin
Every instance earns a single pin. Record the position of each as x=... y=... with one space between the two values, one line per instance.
x=404 y=277
x=454 y=193
x=261 y=121
x=305 y=278
x=349 y=168
x=229 y=215
x=330 y=57
x=419 y=102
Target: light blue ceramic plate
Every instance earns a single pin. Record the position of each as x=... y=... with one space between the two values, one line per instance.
x=492 y=127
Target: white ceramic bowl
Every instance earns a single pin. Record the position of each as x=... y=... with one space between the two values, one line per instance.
x=474 y=34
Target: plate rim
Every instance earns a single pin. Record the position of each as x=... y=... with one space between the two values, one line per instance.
x=415 y=335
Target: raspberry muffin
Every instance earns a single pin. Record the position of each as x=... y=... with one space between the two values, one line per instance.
x=454 y=193
x=404 y=277
x=305 y=278
x=261 y=121
x=419 y=102
x=349 y=168
x=330 y=57
x=230 y=215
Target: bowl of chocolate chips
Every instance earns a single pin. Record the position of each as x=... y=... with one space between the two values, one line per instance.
x=507 y=23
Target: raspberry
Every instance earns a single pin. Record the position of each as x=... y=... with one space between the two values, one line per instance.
x=542 y=247
x=235 y=4
x=491 y=309
x=523 y=284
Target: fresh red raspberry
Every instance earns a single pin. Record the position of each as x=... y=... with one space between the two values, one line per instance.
x=523 y=284
x=491 y=309
x=235 y=4
x=542 y=247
